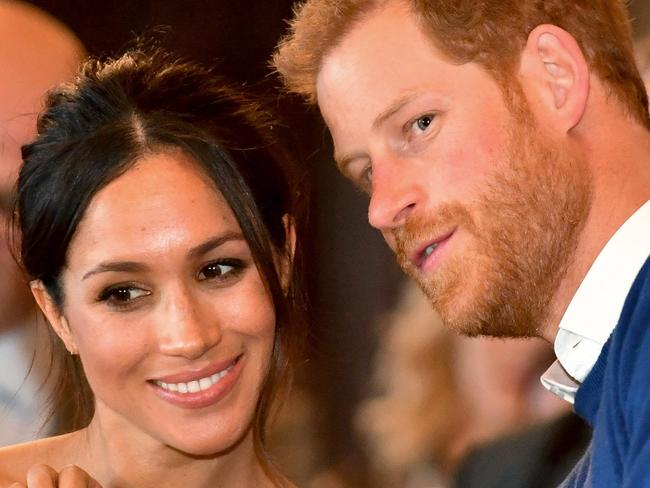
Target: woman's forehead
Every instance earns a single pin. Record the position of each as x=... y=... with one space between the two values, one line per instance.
x=164 y=202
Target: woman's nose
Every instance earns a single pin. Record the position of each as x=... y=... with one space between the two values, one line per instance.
x=187 y=329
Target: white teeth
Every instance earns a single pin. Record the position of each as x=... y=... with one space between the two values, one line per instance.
x=429 y=250
x=196 y=385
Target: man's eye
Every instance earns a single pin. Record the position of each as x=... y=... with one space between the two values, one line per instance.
x=218 y=270
x=422 y=123
x=120 y=295
x=366 y=179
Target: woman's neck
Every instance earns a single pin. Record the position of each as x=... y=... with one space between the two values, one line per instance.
x=123 y=458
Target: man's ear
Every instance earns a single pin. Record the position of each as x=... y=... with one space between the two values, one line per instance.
x=286 y=260
x=53 y=314
x=554 y=68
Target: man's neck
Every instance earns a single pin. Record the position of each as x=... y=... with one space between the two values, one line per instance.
x=620 y=164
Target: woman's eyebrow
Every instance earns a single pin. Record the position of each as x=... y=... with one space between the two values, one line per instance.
x=213 y=243
x=133 y=266
x=115 y=266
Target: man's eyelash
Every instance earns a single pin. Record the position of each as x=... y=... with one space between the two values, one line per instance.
x=415 y=122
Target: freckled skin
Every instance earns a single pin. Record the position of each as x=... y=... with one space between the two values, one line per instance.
x=399 y=55
x=439 y=151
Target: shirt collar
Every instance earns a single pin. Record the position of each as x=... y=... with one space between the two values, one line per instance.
x=596 y=307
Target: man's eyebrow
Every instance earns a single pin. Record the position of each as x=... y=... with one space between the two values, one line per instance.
x=392 y=109
x=134 y=266
x=343 y=159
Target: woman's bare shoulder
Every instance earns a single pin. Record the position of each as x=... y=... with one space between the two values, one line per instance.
x=16 y=460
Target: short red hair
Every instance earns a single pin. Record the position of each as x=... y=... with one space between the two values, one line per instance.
x=491 y=33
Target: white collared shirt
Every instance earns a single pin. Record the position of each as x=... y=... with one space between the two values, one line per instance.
x=596 y=307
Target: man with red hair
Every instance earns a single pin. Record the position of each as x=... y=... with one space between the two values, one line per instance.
x=504 y=146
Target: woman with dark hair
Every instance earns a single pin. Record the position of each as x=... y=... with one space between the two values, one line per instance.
x=157 y=228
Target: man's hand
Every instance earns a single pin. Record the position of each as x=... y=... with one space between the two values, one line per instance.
x=43 y=476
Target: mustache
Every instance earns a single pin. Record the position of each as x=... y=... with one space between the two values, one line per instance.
x=424 y=227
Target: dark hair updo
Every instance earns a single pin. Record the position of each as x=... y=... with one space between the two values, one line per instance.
x=96 y=128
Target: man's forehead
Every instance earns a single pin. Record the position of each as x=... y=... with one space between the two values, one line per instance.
x=385 y=52
x=384 y=60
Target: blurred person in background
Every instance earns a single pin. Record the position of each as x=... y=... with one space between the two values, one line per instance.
x=440 y=394
x=36 y=53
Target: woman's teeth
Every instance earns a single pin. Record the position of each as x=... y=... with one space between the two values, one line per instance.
x=196 y=385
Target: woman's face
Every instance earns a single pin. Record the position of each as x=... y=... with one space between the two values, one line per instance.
x=166 y=308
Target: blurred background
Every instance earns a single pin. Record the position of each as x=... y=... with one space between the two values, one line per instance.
x=387 y=397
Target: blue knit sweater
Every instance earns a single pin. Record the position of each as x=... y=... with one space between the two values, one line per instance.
x=615 y=400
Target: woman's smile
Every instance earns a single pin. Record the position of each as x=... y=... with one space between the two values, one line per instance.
x=161 y=253
x=202 y=388
x=161 y=285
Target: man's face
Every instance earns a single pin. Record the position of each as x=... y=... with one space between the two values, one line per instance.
x=482 y=208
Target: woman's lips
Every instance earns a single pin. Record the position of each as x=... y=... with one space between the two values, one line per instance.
x=200 y=391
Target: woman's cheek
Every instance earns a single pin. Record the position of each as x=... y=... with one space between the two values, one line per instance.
x=252 y=312
x=107 y=347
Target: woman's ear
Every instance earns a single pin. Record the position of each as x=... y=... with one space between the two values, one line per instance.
x=553 y=70
x=286 y=260
x=53 y=314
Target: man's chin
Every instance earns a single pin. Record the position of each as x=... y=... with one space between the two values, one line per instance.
x=454 y=307
x=468 y=312
x=458 y=315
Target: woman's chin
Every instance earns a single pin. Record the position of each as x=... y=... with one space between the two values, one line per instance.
x=215 y=445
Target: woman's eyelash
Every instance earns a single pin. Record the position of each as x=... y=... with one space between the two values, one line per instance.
x=221 y=269
x=122 y=295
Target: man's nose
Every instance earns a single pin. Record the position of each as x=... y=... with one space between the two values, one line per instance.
x=397 y=192
x=187 y=329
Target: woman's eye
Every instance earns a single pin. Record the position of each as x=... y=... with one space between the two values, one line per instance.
x=121 y=295
x=217 y=270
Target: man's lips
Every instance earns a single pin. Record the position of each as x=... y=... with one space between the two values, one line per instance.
x=427 y=250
